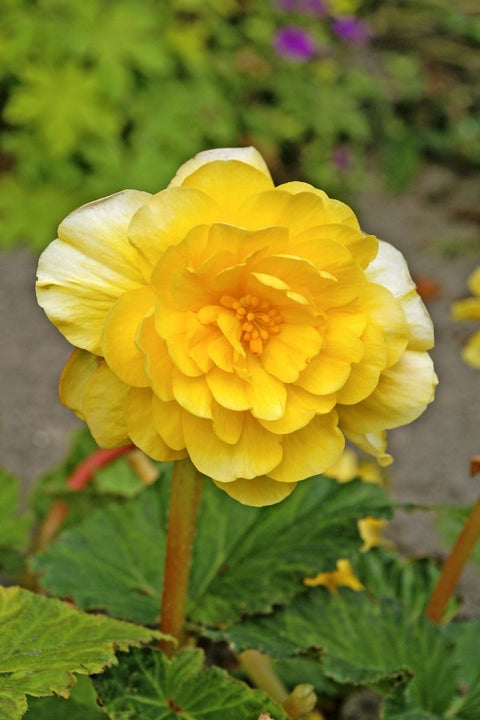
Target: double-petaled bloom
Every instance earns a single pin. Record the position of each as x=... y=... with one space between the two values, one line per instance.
x=250 y=327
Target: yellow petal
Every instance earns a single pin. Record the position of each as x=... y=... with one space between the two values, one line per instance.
x=89 y=266
x=119 y=334
x=468 y=309
x=390 y=270
x=258 y=492
x=388 y=314
x=345 y=468
x=371 y=531
x=295 y=416
x=402 y=394
x=228 y=183
x=166 y=219
x=227 y=424
x=104 y=408
x=364 y=375
x=324 y=375
x=256 y=452
x=374 y=443
x=228 y=389
x=333 y=257
x=158 y=365
x=474 y=282
x=471 y=351
x=248 y=155
x=167 y=419
x=311 y=450
x=267 y=395
x=337 y=211
x=75 y=379
x=141 y=427
x=343 y=576
x=193 y=394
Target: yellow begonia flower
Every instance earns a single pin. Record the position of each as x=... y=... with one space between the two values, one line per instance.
x=249 y=326
x=343 y=576
x=469 y=309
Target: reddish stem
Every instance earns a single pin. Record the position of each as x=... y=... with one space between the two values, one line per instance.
x=454 y=565
x=184 y=501
x=83 y=474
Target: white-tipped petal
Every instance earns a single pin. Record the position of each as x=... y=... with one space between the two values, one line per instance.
x=248 y=155
x=390 y=270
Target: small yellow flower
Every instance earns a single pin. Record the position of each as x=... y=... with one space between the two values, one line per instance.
x=349 y=466
x=343 y=576
x=469 y=309
x=250 y=327
x=371 y=530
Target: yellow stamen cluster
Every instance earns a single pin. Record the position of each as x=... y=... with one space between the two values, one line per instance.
x=259 y=320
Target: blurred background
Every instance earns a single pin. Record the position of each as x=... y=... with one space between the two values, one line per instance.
x=377 y=102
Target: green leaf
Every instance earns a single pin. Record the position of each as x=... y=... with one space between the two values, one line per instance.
x=358 y=641
x=44 y=642
x=81 y=705
x=13 y=529
x=386 y=575
x=147 y=685
x=245 y=559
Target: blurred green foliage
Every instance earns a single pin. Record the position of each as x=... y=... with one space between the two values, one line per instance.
x=108 y=94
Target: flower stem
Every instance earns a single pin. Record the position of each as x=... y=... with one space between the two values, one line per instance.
x=454 y=565
x=184 y=501
x=259 y=669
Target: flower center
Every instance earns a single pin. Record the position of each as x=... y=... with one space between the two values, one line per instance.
x=259 y=320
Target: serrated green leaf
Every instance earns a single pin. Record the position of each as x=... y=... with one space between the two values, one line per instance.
x=45 y=642
x=358 y=641
x=147 y=685
x=245 y=560
x=386 y=575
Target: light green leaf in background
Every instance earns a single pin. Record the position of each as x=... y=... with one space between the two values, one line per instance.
x=44 y=642
x=146 y=685
x=14 y=528
x=245 y=559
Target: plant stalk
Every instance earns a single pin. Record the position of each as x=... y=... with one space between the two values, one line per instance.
x=259 y=669
x=184 y=502
x=454 y=565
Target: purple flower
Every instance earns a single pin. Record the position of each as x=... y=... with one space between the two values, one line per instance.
x=341 y=157
x=317 y=8
x=351 y=30
x=294 y=43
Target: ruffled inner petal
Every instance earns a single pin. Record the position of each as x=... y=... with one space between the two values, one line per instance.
x=141 y=426
x=119 y=334
x=256 y=452
x=310 y=450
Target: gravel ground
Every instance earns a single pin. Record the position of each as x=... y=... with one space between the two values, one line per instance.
x=431 y=455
